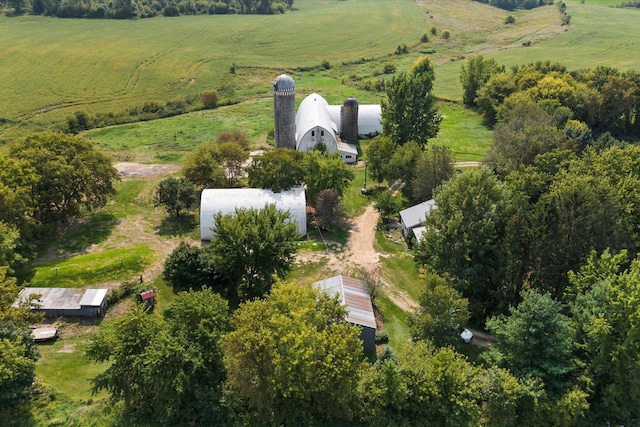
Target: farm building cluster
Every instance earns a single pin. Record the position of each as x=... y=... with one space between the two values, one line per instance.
x=318 y=122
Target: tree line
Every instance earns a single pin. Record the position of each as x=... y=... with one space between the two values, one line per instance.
x=131 y=9
x=45 y=180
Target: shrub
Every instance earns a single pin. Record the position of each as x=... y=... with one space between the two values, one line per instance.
x=124 y=290
x=424 y=38
x=382 y=337
x=566 y=19
x=510 y=19
x=171 y=11
x=389 y=68
x=210 y=98
x=434 y=31
x=325 y=65
x=402 y=48
x=446 y=34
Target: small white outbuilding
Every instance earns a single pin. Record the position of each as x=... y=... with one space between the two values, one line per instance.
x=227 y=200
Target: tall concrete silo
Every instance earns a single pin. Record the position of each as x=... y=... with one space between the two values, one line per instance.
x=284 y=111
x=349 y=119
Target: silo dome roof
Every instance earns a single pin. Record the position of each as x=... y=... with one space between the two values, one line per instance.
x=283 y=82
x=350 y=102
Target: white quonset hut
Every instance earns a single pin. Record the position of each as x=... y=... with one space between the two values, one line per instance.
x=412 y=218
x=354 y=295
x=55 y=302
x=227 y=200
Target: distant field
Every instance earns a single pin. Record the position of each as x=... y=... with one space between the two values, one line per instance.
x=597 y=36
x=51 y=67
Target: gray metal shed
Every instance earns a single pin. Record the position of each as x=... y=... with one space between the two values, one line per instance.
x=354 y=295
x=57 y=302
x=414 y=216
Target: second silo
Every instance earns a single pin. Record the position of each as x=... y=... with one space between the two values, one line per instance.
x=349 y=119
x=284 y=112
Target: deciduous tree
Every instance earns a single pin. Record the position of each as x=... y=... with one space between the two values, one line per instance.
x=323 y=172
x=292 y=357
x=176 y=195
x=250 y=247
x=410 y=112
x=442 y=313
x=188 y=266
x=279 y=169
x=474 y=74
x=203 y=167
x=71 y=174
x=433 y=168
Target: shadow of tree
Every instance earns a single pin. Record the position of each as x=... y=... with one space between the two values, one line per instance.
x=172 y=226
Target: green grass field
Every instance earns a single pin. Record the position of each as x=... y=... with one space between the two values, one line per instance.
x=52 y=67
x=85 y=270
x=598 y=35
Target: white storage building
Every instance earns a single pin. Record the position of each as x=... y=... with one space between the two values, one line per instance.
x=227 y=200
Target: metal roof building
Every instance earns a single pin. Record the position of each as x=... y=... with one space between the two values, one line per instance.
x=227 y=200
x=414 y=216
x=67 y=301
x=354 y=295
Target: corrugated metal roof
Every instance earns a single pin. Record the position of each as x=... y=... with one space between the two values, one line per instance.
x=354 y=295
x=227 y=200
x=415 y=215
x=64 y=298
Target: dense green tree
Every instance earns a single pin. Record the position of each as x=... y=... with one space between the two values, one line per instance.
x=279 y=169
x=21 y=315
x=330 y=214
x=325 y=172
x=17 y=205
x=203 y=167
x=9 y=237
x=604 y=298
x=402 y=165
x=518 y=138
x=292 y=357
x=188 y=266
x=410 y=112
x=537 y=340
x=579 y=213
x=71 y=174
x=176 y=195
x=379 y=155
x=441 y=315
x=463 y=240
x=168 y=370
x=492 y=94
x=388 y=205
x=433 y=168
x=474 y=74
x=18 y=357
x=232 y=157
x=250 y=247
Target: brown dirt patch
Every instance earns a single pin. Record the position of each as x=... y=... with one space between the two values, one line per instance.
x=131 y=169
x=67 y=348
x=360 y=254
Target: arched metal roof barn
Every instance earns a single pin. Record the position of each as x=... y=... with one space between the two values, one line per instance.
x=227 y=200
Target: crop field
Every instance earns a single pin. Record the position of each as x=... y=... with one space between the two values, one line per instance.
x=55 y=66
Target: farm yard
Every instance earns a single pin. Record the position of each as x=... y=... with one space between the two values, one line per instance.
x=114 y=69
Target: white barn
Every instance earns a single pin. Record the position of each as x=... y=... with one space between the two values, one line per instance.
x=314 y=124
x=227 y=200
